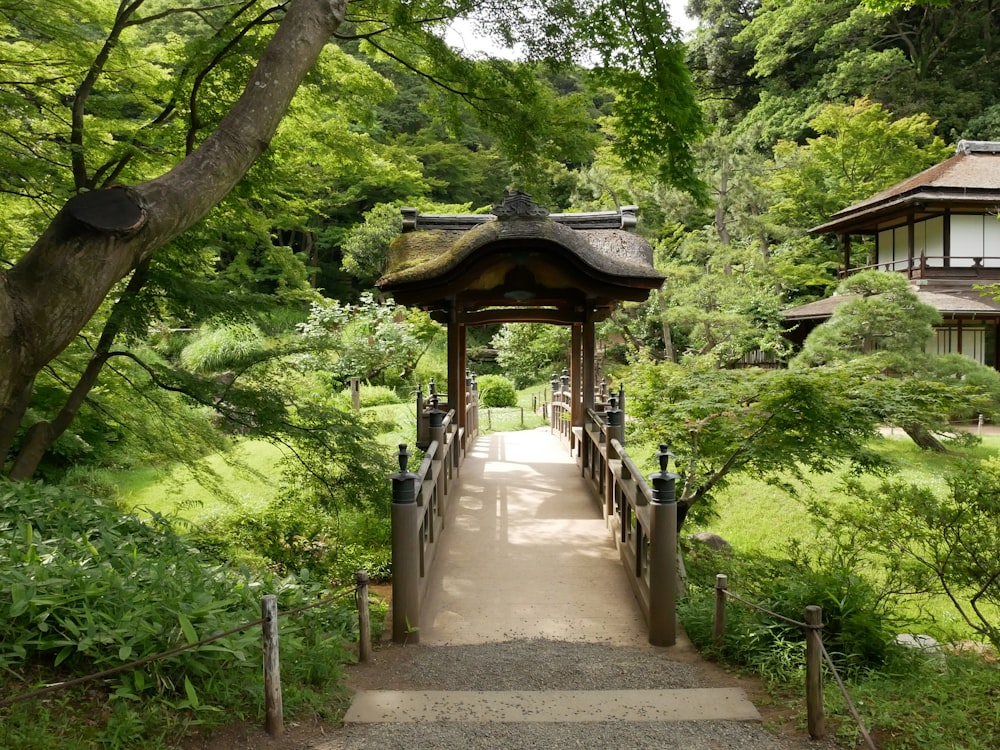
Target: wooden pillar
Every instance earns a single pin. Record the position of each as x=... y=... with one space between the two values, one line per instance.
x=576 y=380
x=911 y=241
x=463 y=365
x=456 y=367
x=589 y=355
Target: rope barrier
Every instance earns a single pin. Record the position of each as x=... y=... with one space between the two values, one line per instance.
x=847 y=698
x=765 y=610
x=826 y=655
x=56 y=686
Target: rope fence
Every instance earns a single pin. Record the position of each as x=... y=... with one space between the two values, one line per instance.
x=268 y=623
x=816 y=653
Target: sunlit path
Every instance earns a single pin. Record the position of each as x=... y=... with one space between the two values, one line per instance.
x=526 y=553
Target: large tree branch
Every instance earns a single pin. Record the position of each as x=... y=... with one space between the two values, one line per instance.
x=98 y=237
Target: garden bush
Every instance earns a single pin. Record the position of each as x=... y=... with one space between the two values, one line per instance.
x=858 y=628
x=88 y=587
x=496 y=391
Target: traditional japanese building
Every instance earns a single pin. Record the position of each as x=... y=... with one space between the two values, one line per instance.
x=940 y=228
x=521 y=264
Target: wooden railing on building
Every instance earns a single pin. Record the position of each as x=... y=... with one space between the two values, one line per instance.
x=936 y=266
x=420 y=505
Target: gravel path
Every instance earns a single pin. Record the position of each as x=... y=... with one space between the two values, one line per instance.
x=536 y=664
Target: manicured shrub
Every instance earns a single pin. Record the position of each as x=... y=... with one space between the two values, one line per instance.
x=496 y=391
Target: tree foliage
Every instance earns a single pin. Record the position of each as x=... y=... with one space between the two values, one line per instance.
x=935 y=541
x=771 y=424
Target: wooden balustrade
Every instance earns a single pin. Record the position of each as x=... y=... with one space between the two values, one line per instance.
x=644 y=525
x=419 y=507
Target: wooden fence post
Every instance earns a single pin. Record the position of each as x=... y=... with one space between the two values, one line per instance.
x=364 y=617
x=814 y=672
x=355 y=393
x=719 y=620
x=274 y=722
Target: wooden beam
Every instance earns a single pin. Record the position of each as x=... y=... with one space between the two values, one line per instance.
x=521 y=315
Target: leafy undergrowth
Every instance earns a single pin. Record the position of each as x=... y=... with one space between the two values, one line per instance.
x=941 y=700
x=87 y=588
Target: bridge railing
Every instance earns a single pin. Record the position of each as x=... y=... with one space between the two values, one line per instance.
x=420 y=505
x=643 y=518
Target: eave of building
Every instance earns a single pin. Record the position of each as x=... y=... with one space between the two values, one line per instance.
x=968 y=181
x=956 y=304
x=521 y=264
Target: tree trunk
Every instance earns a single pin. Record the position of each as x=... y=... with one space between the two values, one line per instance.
x=42 y=435
x=99 y=237
x=924 y=438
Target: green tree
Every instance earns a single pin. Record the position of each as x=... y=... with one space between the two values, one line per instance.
x=934 y=541
x=861 y=150
x=100 y=120
x=884 y=323
x=529 y=352
x=769 y=424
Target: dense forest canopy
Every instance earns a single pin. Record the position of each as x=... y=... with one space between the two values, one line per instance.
x=728 y=141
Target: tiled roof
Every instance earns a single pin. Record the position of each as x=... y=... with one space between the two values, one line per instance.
x=950 y=303
x=972 y=175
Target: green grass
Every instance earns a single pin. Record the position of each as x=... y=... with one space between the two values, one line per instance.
x=247 y=475
x=755 y=517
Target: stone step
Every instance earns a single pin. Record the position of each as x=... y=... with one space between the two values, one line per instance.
x=689 y=704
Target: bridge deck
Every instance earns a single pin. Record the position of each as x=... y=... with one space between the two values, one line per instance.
x=530 y=635
x=526 y=553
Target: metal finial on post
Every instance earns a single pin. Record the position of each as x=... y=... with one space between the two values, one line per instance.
x=664 y=482
x=564 y=379
x=404 y=457
x=604 y=387
x=404 y=485
x=614 y=416
x=435 y=415
x=432 y=387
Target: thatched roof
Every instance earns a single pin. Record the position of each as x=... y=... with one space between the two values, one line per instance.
x=519 y=253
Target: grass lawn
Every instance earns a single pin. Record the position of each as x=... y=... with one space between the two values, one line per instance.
x=247 y=475
x=755 y=517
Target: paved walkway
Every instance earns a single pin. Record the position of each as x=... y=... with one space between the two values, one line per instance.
x=526 y=553
x=531 y=632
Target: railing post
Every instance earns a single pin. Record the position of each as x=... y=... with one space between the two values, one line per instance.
x=663 y=554
x=719 y=620
x=406 y=540
x=555 y=389
x=364 y=617
x=274 y=721
x=814 y=672
x=437 y=433
x=616 y=431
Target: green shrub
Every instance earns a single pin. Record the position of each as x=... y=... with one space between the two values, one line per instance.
x=495 y=391
x=85 y=587
x=377 y=395
x=293 y=534
x=857 y=626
